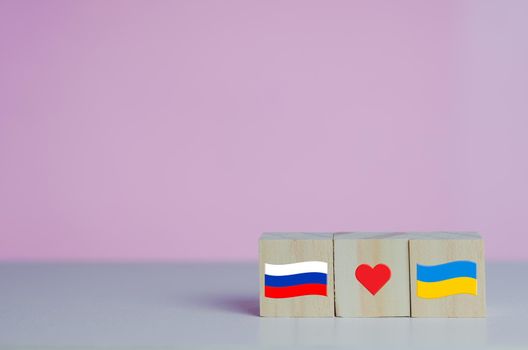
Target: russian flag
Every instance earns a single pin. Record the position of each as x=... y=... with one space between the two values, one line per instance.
x=294 y=280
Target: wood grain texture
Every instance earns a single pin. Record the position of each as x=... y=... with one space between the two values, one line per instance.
x=354 y=249
x=287 y=248
x=441 y=248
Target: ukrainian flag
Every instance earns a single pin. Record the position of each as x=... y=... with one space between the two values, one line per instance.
x=438 y=281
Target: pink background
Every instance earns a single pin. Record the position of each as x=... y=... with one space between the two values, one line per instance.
x=138 y=130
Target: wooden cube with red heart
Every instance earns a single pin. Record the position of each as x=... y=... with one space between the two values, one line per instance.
x=371 y=274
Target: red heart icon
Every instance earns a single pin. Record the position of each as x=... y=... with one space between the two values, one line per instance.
x=373 y=278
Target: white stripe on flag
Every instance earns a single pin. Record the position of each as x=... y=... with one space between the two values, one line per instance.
x=292 y=269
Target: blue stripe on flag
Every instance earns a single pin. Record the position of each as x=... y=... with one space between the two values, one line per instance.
x=446 y=271
x=293 y=280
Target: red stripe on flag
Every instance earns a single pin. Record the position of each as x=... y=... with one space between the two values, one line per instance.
x=295 y=291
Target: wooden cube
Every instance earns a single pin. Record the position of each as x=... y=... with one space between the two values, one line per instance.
x=448 y=276
x=371 y=274
x=296 y=275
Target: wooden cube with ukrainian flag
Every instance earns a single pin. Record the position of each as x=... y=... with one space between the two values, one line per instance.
x=448 y=277
x=296 y=275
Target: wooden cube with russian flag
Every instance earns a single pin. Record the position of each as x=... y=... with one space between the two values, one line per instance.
x=296 y=275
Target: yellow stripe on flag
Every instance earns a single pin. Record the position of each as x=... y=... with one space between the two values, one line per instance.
x=459 y=285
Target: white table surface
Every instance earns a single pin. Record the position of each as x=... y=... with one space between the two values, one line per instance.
x=165 y=306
